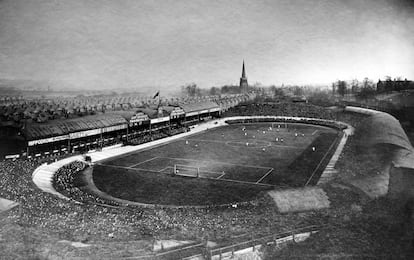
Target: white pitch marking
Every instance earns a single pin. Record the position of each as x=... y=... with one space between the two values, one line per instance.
x=228 y=180
x=128 y=168
x=142 y=162
x=217 y=162
x=264 y=176
x=164 y=169
x=314 y=132
x=221 y=175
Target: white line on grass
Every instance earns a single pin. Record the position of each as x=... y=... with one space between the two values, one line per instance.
x=227 y=180
x=320 y=162
x=218 y=162
x=221 y=175
x=215 y=173
x=207 y=141
x=128 y=168
x=247 y=182
x=287 y=146
x=314 y=132
x=264 y=176
x=142 y=162
x=165 y=169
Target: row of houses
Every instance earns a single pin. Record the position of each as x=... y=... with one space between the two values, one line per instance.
x=43 y=110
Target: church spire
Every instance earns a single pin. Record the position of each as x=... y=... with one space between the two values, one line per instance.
x=243 y=80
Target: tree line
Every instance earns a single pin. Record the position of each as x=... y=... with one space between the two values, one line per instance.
x=192 y=90
x=367 y=88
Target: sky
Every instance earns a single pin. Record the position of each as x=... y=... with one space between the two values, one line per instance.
x=120 y=44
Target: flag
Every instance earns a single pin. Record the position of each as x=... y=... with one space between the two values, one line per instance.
x=156 y=94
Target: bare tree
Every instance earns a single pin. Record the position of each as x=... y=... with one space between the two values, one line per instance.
x=355 y=86
x=341 y=87
x=367 y=89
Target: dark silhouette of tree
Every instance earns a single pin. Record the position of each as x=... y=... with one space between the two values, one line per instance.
x=278 y=92
x=367 y=89
x=191 y=90
x=298 y=91
x=341 y=87
x=321 y=98
x=214 y=91
x=228 y=89
x=355 y=86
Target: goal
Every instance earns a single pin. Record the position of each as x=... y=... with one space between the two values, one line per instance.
x=185 y=170
x=279 y=125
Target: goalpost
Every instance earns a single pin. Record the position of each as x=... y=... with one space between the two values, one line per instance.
x=185 y=170
x=279 y=125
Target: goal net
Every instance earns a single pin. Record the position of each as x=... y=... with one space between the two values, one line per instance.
x=185 y=170
x=279 y=125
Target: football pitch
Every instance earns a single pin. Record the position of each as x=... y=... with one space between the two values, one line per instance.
x=230 y=163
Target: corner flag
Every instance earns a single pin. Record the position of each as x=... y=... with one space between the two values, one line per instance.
x=156 y=94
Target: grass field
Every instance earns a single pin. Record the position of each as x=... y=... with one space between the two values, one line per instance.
x=234 y=163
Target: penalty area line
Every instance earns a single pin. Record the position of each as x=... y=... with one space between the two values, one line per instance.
x=169 y=167
x=143 y=162
x=215 y=162
x=244 y=182
x=128 y=168
x=265 y=175
x=221 y=175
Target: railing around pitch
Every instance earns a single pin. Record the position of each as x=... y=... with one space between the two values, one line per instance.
x=260 y=241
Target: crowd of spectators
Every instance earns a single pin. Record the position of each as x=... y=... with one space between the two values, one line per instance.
x=69 y=181
x=149 y=137
x=139 y=139
x=332 y=124
x=159 y=134
x=351 y=118
x=65 y=176
x=281 y=109
x=91 y=221
x=178 y=130
x=295 y=110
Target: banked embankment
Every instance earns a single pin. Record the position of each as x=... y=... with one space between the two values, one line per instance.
x=382 y=131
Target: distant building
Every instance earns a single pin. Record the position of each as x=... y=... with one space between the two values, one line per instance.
x=243 y=80
x=394 y=85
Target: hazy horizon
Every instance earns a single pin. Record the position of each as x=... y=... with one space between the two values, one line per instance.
x=129 y=44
